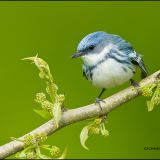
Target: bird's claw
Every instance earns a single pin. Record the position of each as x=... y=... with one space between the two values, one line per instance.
x=98 y=101
x=134 y=83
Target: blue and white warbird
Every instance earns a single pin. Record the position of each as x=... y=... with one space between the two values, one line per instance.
x=108 y=60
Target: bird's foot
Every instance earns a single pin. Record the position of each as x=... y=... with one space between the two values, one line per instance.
x=134 y=83
x=98 y=101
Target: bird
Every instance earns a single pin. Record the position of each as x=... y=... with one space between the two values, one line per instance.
x=108 y=61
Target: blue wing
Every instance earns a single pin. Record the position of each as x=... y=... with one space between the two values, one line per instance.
x=135 y=58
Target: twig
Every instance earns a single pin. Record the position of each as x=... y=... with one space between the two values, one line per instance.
x=81 y=113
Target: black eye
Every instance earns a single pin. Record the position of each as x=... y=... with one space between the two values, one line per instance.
x=91 y=47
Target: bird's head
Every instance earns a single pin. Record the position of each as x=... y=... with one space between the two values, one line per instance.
x=91 y=47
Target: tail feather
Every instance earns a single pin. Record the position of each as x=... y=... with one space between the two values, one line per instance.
x=137 y=60
x=142 y=66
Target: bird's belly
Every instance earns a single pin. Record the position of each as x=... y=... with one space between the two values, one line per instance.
x=111 y=73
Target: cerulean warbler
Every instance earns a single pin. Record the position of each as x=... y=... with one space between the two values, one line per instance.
x=108 y=60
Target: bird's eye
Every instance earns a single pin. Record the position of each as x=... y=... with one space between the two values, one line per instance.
x=91 y=47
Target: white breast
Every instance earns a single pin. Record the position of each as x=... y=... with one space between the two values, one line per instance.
x=110 y=74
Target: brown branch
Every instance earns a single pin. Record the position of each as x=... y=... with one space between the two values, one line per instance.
x=81 y=113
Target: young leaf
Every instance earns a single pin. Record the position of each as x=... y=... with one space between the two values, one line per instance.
x=84 y=136
x=150 y=105
x=103 y=130
x=43 y=113
x=57 y=113
x=63 y=154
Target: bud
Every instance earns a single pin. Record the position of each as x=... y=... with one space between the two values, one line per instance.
x=40 y=97
x=42 y=66
x=47 y=105
x=30 y=155
x=55 y=151
x=94 y=130
x=43 y=137
x=106 y=133
x=61 y=98
x=98 y=121
x=40 y=137
x=20 y=155
x=156 y=96
x=29 y=140
x=147 y=90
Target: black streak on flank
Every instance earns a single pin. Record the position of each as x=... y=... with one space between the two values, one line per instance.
x=124 y=68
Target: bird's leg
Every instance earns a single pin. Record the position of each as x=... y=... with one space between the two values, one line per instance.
x=101 y=93
x=134 y=83
x=98 y=99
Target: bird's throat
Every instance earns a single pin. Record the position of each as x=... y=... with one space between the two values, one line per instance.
x=90 y=60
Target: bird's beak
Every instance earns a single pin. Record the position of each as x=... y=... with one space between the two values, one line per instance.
x=78 y=54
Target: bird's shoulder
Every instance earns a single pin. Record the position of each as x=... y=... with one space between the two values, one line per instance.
x=121 y=44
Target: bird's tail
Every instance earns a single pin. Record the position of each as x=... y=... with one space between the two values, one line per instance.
x=144 y=71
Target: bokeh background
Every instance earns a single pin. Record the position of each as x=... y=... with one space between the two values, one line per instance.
x=53 y=30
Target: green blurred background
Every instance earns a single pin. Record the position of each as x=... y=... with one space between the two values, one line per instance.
x=53 y=30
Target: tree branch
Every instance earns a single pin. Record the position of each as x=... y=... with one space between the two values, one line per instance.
x=81 y=113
